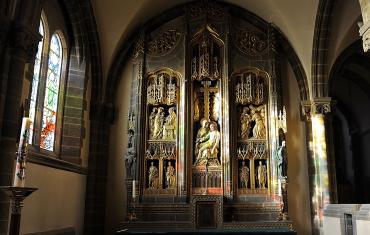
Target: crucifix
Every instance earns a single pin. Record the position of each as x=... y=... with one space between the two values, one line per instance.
x=207 y=90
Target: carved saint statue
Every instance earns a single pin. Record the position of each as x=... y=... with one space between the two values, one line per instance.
x=257 y=115
x=130 y=159
x=244 y=175
x=158 y=124
x=261 y=175
x=170 y=176
x=170 y=125
x=151 y=122
x=208 y=147
x=244 y=124
x=153 y=176
x=282 y=159
x=202 y=134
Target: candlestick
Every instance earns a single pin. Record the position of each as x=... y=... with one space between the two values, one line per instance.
x=134 y=189
x=20 y=169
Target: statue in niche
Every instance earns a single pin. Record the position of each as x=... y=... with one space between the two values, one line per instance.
x=244 y=124
x=244 y=175
x=130 y=158
x=282 y=159
x=202 y=134
x=158 y=124
x=151 y=122
x=153 y=176
x=170 y=125
x=257 y=115
x=261 y=175
x=170 y=176
x=208 y=149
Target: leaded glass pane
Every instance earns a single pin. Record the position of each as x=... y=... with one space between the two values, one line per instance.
x=51 y=94
x=35 y=81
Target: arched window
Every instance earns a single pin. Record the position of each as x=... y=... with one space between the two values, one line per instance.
x=49 y=116
x=44 y=95
x=35 y=80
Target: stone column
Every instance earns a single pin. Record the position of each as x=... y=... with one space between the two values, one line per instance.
x=315 y=112
x=18 y=48
x=365 y=25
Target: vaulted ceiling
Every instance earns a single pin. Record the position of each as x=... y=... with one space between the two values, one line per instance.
x=116 y=19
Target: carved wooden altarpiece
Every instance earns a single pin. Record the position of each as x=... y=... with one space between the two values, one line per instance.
x=203 y=125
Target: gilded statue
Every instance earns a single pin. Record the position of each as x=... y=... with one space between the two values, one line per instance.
x=170 y=176
x=261 y=175
x=158 y=124
x=244 y=175
x=202 y=134
x=208 y=147
x=170 y=125
x=153 y=176
x=244 y=124
x=151 y=122
x=282 y=159
x=257 y=115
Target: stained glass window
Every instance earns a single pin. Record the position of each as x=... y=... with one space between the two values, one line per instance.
x=35 y=81
x=49 y=116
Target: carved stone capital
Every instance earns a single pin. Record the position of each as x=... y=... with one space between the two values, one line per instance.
x=306 y=109
x=26 y=39
x=321 y=105
x=365 y=34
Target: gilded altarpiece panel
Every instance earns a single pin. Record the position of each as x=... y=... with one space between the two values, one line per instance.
x=251 y=164
x=161 y=155
x=206 y=74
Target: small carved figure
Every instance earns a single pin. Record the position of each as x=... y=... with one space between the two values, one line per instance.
x=259 y=130
x=158 y=124
x=202 y=134
x=170 y=176
x=282 y=159
x=207 y=153
x=244 y=124
x=261 y=175
x=244 y=175
x=151 y=122
x=153 y=176
x=170 y=126
x=130 y=158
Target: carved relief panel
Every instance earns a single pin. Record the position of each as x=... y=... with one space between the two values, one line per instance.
x=252 y=135
x=162 y=132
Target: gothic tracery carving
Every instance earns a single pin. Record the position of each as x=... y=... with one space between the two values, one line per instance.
x=206 y=55
x=164 y=43
x=162 y=89
x=250 y=88
x=211 y=9
x=249 y=42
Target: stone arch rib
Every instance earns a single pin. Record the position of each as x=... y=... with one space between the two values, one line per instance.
x=320 y=73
